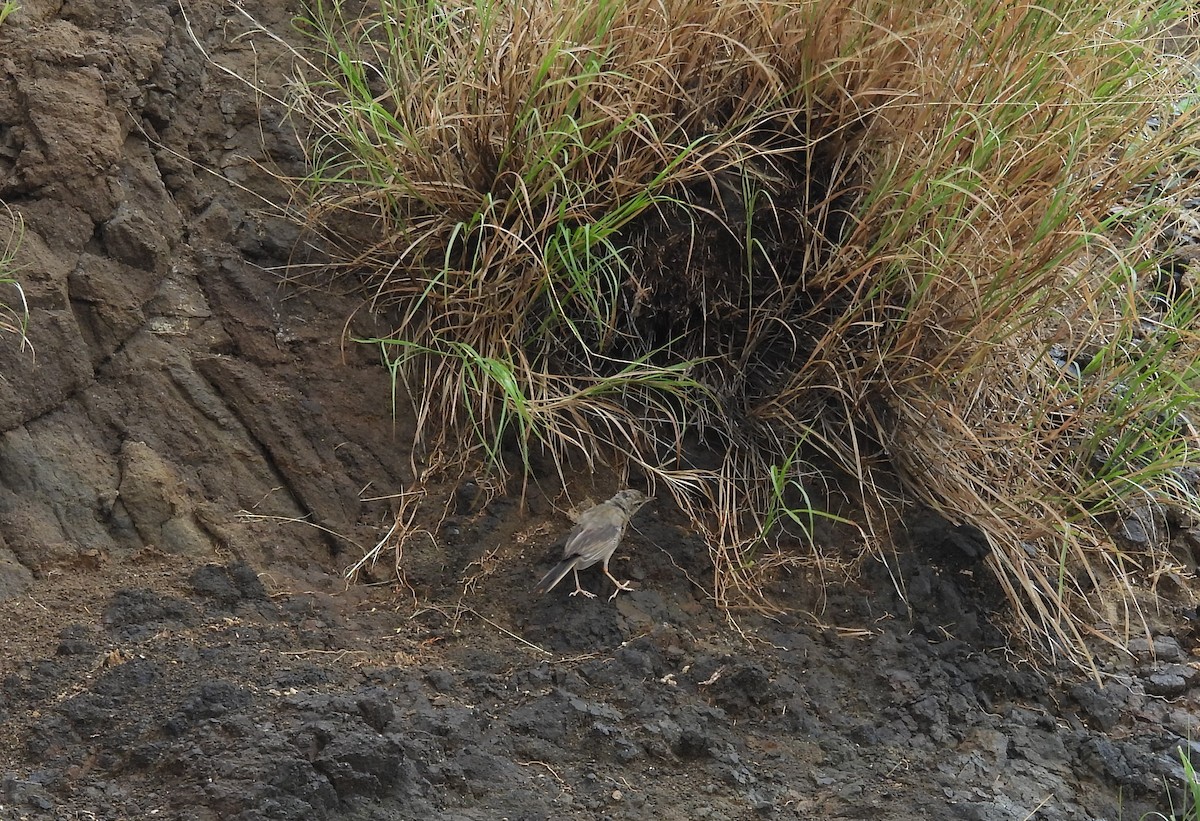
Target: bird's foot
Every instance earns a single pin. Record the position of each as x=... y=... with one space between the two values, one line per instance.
x=579 y=591
x=620 y=586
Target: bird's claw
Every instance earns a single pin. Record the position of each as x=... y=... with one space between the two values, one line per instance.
x=580 y=591
x=620 y=586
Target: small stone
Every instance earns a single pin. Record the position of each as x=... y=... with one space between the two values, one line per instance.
x=1103 y=705
x=1170 y=681
x=1160 y=648
x=1134 y=531
x=1167 y=648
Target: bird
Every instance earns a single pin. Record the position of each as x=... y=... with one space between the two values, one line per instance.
x=594 y=539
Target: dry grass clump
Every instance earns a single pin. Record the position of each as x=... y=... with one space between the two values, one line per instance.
x=14 y=309
x=719 y=237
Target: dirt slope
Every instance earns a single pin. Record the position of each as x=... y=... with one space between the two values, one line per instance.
x=174 y=647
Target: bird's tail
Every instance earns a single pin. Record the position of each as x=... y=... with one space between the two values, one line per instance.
x=555 y=576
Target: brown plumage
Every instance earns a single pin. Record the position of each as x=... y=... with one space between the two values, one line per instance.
x=595 y=539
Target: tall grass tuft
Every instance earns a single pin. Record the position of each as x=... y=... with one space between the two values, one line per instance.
x=14 y=309
x=909 y=239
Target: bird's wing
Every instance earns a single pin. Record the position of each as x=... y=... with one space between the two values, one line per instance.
x=591 y=538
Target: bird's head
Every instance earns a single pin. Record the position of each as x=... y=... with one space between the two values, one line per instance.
x=630 y=500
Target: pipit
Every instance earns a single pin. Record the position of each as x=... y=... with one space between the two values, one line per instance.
x=595 y=539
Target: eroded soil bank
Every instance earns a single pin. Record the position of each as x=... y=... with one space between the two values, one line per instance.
x=177 y=638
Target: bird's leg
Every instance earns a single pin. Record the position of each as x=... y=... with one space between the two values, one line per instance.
x=620 y=585
x=578 y=588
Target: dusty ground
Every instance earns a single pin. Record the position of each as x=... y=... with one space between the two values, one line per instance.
x=176 y=647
